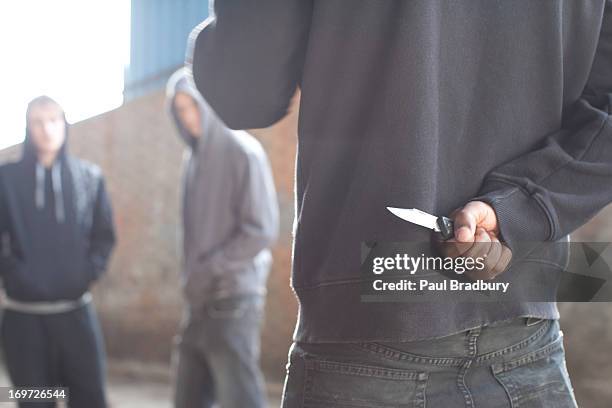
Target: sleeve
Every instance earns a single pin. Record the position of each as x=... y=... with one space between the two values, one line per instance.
x=4 y=218
x=8 y=262
x=247 y=59
x=257 y=211
x=549 y=192
x=102 y=238
x=4 y=254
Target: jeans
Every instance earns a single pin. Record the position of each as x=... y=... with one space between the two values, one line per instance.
x=216 y=357
x=515 y=363
x=60 y=350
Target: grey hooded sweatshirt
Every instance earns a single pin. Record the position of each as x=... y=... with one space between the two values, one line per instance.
x=230 y=210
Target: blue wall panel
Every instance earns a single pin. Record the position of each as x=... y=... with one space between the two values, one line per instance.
x=159 y=32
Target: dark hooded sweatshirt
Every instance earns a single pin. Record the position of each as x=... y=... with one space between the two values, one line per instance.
x=426 y=104
x=57 y=227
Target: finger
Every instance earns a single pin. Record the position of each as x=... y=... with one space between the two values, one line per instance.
x=452 y=248
x=491 y=260
x=481 y=245
x=481 y=239
x=504 y=261
x=448 y=248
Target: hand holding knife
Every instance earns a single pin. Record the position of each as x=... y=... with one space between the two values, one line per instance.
x=477 y=234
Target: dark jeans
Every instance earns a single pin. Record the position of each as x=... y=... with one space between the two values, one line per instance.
x=217 y=355
x=517 y=363
x=60 y=350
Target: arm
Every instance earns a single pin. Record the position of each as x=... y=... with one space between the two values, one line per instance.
x=247 y=59
x=4 y=229
x=257 y=213
x=8 y=262
x=102 y=238
x=549 y=192
x=4 y=220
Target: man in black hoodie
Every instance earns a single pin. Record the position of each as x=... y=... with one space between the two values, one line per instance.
x=57 y=233
x=494 y=112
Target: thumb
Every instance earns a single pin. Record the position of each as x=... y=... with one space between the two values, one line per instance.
x=468 y=218
x=474 y=214
x=465 y=225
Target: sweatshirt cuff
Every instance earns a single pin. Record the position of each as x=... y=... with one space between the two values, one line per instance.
x=521 y=218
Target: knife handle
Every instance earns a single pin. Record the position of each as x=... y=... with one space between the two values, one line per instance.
x=446 y=226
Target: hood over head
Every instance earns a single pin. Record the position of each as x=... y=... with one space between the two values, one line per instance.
x=212 y=126
x=29 y=150
x=29 y=158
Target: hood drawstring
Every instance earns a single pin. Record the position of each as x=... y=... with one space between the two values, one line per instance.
x=40 y=187
x=56 y=178
x=56 y=183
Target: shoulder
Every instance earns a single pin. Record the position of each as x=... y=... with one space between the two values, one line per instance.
x=7 y=167
x=8 y=170
x=86 y=168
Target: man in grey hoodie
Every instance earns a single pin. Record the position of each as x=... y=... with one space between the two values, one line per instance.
x=230 y=219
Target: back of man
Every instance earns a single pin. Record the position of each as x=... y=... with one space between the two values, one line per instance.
x=424 y=104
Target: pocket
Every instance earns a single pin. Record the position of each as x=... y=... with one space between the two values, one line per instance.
x=198 y=286
x=537 y=379
x=533 y=321
x=230 y=308
x=346 y=385
x=8 y=264
x=17 y=281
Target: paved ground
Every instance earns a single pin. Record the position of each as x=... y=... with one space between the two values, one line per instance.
x=147 y=386
x=129 y=391
x=138 y=394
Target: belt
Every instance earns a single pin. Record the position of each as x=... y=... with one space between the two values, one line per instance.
x=58 y=306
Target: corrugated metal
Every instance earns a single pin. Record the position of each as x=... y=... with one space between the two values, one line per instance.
x=159 y=31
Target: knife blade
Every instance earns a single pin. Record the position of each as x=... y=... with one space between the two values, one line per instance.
x=441 y=224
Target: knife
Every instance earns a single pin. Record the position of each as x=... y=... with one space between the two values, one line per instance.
x=441 y=224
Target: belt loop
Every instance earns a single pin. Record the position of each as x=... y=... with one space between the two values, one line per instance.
x=472 y=341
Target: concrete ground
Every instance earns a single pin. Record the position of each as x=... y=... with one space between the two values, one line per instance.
x=143 y=394
x=136 y=385
x=128 y=388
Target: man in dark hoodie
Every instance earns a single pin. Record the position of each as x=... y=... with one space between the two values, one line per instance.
x=230 y=220
x=57 y=234
x=497 y=112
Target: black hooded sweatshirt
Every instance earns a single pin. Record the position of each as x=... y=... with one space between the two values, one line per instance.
x=422 y=104
x=57 y=226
